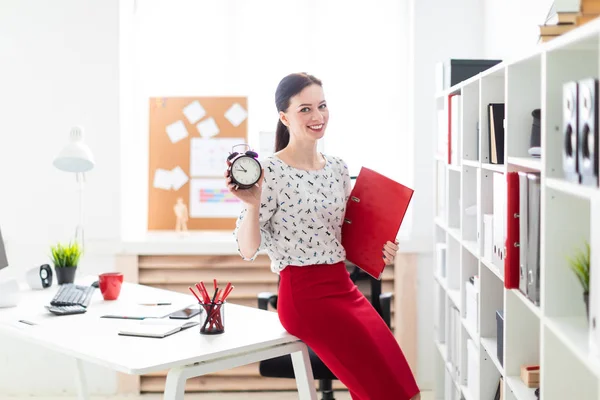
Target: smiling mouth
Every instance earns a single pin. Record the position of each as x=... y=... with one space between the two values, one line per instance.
x=316 y=128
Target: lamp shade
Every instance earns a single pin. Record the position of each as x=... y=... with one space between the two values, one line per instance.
x=76 y=156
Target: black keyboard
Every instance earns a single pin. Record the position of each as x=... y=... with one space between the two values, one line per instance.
x=70 y=294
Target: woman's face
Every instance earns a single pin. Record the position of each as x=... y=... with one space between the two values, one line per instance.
x=307 y=115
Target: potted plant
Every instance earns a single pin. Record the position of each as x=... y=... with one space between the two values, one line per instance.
x=579 y=263
x=65 y=259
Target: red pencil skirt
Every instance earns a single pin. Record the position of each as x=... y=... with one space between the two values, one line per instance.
x=321 y=306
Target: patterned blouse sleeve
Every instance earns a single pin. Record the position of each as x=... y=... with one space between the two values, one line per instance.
x=268 y=206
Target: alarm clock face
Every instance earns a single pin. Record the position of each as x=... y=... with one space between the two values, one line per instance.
x=245 y=170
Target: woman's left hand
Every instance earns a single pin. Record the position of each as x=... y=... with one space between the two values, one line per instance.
x=389 y=252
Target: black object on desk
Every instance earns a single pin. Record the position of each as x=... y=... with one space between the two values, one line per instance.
x=71 y=299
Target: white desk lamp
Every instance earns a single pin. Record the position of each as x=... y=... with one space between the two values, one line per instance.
x=76 y=157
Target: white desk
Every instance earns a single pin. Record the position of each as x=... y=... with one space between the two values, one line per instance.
x=250 y=335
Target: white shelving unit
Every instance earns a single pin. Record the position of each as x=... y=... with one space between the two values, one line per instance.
x=553 y=334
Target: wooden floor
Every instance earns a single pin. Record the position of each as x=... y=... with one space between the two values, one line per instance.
x=208 y=396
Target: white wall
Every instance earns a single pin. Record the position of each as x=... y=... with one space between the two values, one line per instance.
x=243 y=48
x=442 y=30
x=59 y=68
x=511 y=26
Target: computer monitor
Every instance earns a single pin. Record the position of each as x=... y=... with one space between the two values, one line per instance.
x=3 y=259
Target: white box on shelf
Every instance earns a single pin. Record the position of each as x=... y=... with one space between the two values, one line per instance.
x=472 y=369
x=499 y=189
x=488 y=228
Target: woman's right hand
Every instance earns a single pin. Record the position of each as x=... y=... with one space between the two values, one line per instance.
x=250 y=197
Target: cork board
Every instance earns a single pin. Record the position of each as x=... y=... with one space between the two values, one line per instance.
x=190 y=139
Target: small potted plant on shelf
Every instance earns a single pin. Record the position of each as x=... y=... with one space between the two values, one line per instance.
x=579 y=263
x=65 y=259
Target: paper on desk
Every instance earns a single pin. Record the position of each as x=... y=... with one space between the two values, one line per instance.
x=208 y=128
x=194 y=112
x=177 y=131
x=162 y=179
x=236 y=114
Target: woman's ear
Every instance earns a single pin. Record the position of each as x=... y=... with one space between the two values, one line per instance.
x=284 y=119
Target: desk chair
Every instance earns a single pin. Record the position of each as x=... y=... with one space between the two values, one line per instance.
x=281 y=367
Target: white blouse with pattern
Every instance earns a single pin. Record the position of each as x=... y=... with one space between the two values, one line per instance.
x=301 y=213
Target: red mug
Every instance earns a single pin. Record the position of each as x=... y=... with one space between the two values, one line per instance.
x=110 y=285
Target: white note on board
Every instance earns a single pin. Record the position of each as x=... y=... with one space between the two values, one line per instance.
x=236 y=114
x=194 y=111
x=177 y=131
x=178 y=178
x=208 y=128
x=162 y=179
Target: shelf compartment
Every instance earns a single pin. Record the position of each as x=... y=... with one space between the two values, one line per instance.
x=533 y=164
x=471 y=163
x=565 y=354
x=491 y=91
x=492 y=268
x=528 y=303
x=470 y=123
x=573 y=63
x=524 y=91
x=453 y=198
x=493 y=167
x=522 y=335
x=490 y=345
x=468 y=204
x=572 y=332
x=566 y=227
x=519 y=389
x=573 y=189
x=490 y=369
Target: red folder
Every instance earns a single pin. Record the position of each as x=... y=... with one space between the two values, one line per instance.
x=511 y=262
x=374 y=213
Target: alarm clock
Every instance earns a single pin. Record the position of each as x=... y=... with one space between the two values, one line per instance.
x=245 y=169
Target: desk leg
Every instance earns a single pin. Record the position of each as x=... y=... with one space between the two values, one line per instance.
x=175 y=384
x=82 y=390
x=304 y=374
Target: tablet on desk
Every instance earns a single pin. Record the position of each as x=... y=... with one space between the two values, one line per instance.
x=186 y=313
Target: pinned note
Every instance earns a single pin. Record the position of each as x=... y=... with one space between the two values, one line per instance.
x=177 y=131
x=178 y=178
x=208 y=128
x=162 y=179
x=194 y=111
x=236 y=114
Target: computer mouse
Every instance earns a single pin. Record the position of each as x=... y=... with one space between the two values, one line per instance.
x=96 y=284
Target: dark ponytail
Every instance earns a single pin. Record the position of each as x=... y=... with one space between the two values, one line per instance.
x=289 y=86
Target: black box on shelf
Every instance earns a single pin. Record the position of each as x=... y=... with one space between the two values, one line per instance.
x=454 y=71
x=500 y=335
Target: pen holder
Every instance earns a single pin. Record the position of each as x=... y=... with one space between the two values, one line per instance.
x=212 y=320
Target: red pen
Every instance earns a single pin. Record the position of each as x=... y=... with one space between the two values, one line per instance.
x=195 y=295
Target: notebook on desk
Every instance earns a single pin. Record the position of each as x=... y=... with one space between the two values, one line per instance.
x=156 y=328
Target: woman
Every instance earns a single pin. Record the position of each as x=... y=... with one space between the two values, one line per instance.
x=295 y=212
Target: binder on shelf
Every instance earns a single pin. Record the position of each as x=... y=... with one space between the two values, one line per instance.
x=511 y=263
x=523 y=232
x=533 y=239
x=496 y=132
x=374 y=214
x=499 y=209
